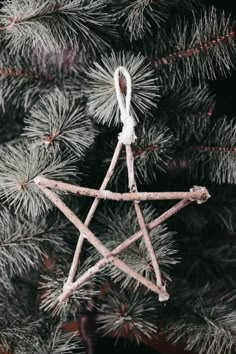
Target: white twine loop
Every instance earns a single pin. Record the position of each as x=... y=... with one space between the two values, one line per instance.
x=127 y=136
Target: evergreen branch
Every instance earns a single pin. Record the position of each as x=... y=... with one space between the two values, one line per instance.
x=204 y=320
x=189 y=110
x=132 y=314
x=139 y=16
x=202 y=48
x=53 y=25
x=100 y=88
x=65 y=343
x=15 y=315
x=58 y=122
x=56 y=342
x=217 y=155
x=22 y=244
x=19 y=165
x=51 y=287
x=36 y=76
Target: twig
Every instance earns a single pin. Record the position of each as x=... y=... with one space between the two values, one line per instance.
x=141 y=220
x=119 y=249
x=110 y=171
x=105 y=252
x=200 y=194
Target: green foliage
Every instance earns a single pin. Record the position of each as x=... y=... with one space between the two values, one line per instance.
x=37 y=76
x=202 y=48
x=57 y=122
x=52 y=285
x=50 y=25
x=129 y=312
x=140 y=18
x=216 y=154
x=188 y=111
x=19 y=165
x=204 y=319
x=23 y=243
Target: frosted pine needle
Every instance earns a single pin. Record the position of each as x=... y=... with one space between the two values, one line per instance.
x=53 y=25
x=19 y=165
x=132 y=314
x=58 y=122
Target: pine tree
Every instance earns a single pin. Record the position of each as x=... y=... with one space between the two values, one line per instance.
x=63 y=64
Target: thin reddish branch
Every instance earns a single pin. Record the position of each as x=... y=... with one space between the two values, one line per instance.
x=50 y=139
x=151 y=148
x=219 y=149
x=10 y=71
x=188 y=52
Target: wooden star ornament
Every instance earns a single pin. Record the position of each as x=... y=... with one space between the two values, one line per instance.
x=126 y=138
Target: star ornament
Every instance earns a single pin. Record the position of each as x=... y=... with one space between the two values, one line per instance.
x=125 y=139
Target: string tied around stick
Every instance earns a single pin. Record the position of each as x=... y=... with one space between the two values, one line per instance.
x=127 y=136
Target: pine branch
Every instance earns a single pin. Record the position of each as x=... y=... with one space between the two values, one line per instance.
x=15 y=315
x=138 y=17
x=58 y=123
x=22 y=243
x=36 y=76
x=204 y=319
x=53 y=25
x=132 y=314
x=56 y=342
x=51 y=287
x=202 y=48
x=188 y=110
x=65 y=343
x=217 y=154
x=19 y=165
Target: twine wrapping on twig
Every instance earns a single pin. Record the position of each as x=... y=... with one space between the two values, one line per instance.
x=127 y=136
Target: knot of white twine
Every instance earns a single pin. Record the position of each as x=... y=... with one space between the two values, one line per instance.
x=200 y=189
x=127 y=136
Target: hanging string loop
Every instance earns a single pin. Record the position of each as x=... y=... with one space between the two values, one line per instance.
x=127 y=136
